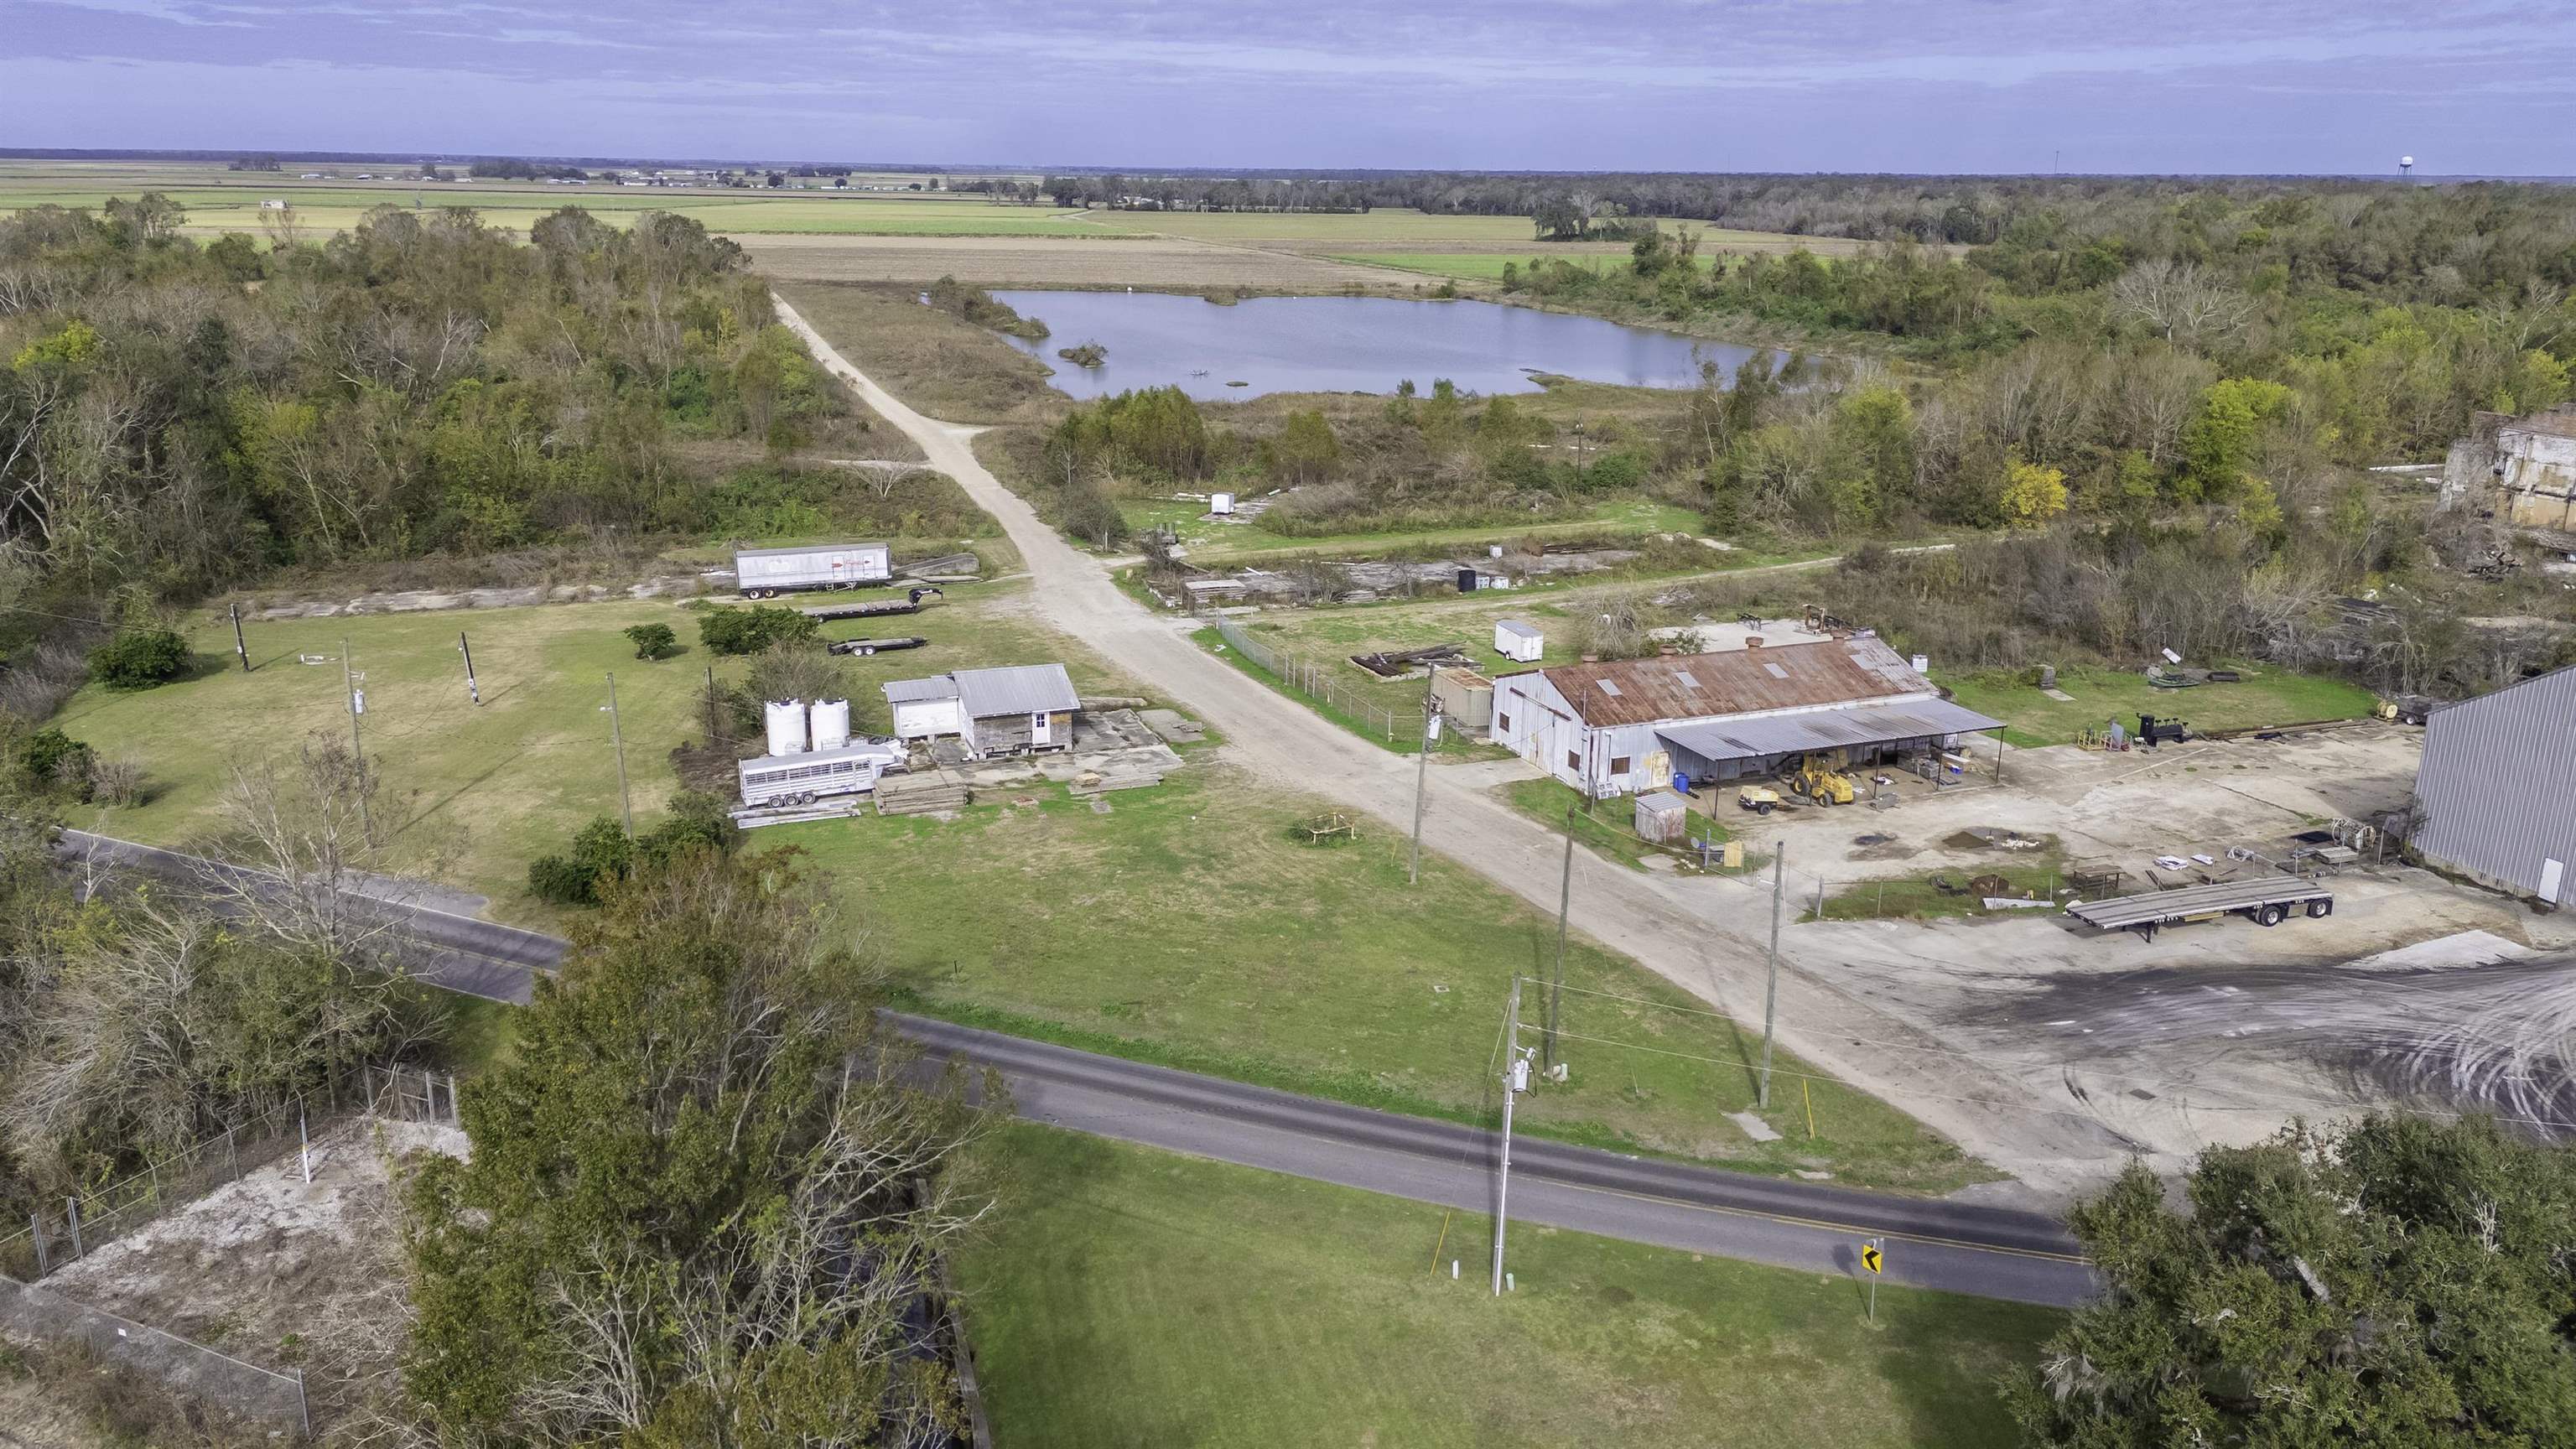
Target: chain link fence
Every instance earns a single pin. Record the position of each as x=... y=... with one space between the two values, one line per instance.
x=61 y=1233
x=1318 y=679
x=86 y=1221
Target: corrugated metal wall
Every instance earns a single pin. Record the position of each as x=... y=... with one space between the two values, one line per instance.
x=2498 y=786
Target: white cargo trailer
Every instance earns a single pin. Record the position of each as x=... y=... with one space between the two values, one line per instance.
x=765 y=573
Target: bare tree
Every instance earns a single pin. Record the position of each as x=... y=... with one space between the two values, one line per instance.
x=2187 y=305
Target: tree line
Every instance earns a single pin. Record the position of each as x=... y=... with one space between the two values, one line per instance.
x=177 y=416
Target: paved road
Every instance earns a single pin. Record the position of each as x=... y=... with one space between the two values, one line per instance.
x=459 y=953
x=1960 y=1247
x=1704 y=936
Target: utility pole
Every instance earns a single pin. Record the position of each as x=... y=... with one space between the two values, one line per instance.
x=1422 y=768
x=357 y=702
x=617 y=734
x=1564 y=905
x=1515 y=1073
x=240 y=648
x=471 y=688
x=1771 y=986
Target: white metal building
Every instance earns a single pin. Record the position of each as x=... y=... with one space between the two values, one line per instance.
x=2497 y=788
x=1630 y=725
x=993 y=711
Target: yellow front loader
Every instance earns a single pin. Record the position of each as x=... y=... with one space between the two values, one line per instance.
x=1819 y=778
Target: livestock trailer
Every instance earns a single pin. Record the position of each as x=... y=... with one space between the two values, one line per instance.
x=765 y=573
x=802 y=778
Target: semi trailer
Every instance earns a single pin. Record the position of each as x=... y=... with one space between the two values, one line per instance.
x=766 y=573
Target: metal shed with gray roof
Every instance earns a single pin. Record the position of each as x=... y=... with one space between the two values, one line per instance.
x=1011 y=710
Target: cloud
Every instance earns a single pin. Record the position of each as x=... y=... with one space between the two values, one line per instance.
x=1776 y=84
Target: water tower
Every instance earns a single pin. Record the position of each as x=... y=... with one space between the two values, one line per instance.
x=2405 y=165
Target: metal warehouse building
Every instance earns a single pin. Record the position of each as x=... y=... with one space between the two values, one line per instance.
x=1631 y=725
x=2497 y=787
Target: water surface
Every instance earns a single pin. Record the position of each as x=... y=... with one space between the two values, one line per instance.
x=1345 y=344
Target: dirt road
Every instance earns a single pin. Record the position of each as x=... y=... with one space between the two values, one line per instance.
x=1702 y=936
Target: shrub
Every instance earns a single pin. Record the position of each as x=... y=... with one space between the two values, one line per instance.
x=140 y=659
x=1092 y=515
x=115 y=780
x=600 y=851
x=48 y=757
x=653 y=641
x=749 y=631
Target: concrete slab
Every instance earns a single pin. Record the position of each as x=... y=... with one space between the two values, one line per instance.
x=1754 y=1127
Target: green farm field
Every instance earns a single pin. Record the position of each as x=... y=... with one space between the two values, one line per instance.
x=218 y=201
x=1484 y=266
x=2264 y=698
x=1191 y=925
x=1387 y=225
x=1261 y=1311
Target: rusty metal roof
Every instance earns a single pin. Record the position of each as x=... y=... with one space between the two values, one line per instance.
x=1735 y=681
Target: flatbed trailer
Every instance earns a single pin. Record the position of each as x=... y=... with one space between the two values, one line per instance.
x=2264 y=902
x=913 y=603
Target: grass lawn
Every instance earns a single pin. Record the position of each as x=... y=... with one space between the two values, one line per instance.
x=2264 y=698
x=476 y=793
x=1608 y=828
x=1134 y=1297
x=1189 y=926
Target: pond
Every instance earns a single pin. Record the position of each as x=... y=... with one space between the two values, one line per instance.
x=1344 y=344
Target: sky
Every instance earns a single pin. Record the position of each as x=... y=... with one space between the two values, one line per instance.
x=2475 y=87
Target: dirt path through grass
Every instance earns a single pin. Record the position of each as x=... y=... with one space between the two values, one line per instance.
x=1703 y=936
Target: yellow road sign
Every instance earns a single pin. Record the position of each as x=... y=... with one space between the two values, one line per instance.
x=1872 y=1259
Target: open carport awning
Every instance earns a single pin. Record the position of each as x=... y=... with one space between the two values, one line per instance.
x=1763 y=736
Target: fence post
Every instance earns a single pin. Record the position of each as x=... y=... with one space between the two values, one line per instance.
x=232 y=1155
x=1820 y=898
x=303 y=1405
x=72 y=1207
x=36 y=1231
x=454 y=1117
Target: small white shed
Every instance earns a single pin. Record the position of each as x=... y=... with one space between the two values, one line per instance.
x=1663 y=817
x=1520 y=642
x=925 y=708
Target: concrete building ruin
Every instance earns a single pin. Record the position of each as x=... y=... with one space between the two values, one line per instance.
x=2523 y=470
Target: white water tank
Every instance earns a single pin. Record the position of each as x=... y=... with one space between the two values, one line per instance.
x=786 y=727
x=831 y=723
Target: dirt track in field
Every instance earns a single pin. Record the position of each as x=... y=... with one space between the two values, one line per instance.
x=1161 y=262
